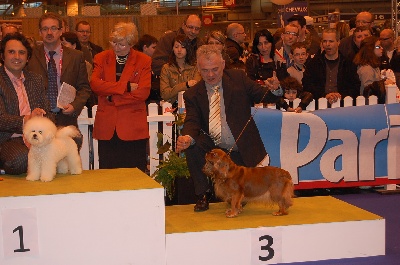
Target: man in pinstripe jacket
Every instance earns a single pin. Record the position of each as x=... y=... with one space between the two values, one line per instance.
x=22 y=96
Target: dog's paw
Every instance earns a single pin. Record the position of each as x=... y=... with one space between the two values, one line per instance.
x=279 y=213
x=46 y=178
x=229 y=213
x=76 y=171
x=31 y=178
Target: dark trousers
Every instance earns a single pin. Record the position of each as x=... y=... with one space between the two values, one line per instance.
x=195 y=158
x=14 y=156
x=117 y=153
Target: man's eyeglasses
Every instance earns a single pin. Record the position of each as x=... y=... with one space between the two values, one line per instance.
x=115 y=44
x=46 y=29
x=292 y=33
x=362 y=22
x=84 y=31
x=193 y=27
x=214 y=43
x=385 y=38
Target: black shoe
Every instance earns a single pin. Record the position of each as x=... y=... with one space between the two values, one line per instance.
x=202 y=204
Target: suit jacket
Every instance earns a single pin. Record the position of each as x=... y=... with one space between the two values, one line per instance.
x=125 y=112
x=10 y=120
x=240 y=93
x=73 y=72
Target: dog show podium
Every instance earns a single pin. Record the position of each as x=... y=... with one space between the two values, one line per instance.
x=100 y=217
x=118 y=216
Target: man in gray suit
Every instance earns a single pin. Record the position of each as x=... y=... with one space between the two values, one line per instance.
x=22 y=96
x=238 y=95
x=70 y=64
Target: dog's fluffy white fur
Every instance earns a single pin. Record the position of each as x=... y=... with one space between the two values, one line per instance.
x=52 y=150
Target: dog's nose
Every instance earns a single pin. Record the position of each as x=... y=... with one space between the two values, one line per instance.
x=34 y=136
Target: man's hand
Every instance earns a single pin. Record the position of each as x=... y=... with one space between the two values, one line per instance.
x=38 y=112
x=68 y=109
x=333 y=97
x=182 y=143
x=272 y=83
x=191 y=83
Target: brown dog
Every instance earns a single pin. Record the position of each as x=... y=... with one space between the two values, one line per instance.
x=234 y=184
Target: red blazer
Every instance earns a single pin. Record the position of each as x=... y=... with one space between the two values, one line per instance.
x=126 y=113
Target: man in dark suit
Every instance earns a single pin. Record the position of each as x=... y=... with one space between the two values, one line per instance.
x=71 y=67
x=238 y=94
x=22 y=96
x=89 y=49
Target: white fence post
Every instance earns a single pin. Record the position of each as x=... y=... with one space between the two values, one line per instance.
x=153 y=119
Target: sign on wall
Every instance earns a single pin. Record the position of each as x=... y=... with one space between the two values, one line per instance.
x=351 y=146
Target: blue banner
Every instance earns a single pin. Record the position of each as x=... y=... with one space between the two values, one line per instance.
x=334 y=147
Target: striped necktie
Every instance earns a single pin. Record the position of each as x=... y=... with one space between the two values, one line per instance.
x=52 y=90
x=215 y=116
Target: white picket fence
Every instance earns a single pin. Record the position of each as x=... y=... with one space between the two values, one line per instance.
x=163 y=121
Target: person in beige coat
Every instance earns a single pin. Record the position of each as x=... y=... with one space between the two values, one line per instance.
x=179 y=74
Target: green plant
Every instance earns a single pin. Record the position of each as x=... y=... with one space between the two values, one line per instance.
x=169 y=169
x=174 y=165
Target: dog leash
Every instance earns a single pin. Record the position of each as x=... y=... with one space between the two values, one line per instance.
x=247 y=123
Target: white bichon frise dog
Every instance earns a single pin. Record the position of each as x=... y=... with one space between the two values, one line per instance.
x=52 y=150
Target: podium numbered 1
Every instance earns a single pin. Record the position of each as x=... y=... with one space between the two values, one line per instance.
x=266 y=246
x=20 y=232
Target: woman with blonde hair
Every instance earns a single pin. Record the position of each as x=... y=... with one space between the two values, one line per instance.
x=218 y=38
x=342 y=29
x=121 y=79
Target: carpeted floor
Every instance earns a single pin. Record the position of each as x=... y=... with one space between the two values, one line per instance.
x=387 y=206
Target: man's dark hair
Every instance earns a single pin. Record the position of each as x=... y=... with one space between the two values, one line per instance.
x=147 y=40
x=15 y=36
x=83 y=22
x=72 y=38
x=298 y=18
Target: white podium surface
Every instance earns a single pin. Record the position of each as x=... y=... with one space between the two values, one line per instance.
x=100 y=217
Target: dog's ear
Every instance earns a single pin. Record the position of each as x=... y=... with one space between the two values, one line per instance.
x=223 y=165
x=48 y=136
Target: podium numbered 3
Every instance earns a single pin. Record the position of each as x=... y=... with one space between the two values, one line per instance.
x=266 y=246
x=19 y=232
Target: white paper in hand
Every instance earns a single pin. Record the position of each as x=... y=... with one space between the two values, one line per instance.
x=67 y=95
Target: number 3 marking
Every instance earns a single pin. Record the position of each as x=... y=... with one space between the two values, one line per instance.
x=271 y=251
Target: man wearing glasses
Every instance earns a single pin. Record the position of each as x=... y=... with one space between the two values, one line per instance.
x=70 y=68
x=391 y=57
x=235 y=38
x=350 y=45
x=191 y=27
x=83 y=32
x=289 y=37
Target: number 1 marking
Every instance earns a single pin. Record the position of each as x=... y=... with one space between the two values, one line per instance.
x=21 y=240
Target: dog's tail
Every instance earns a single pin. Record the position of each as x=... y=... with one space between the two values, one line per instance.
x=68 y=132
x=71 y=132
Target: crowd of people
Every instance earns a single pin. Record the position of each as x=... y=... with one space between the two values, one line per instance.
x=293 y=62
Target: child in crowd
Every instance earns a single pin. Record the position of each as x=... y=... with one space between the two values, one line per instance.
x=299 y=55
x=293 y=89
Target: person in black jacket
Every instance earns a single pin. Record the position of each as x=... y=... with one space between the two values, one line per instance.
x=233 y=45
x=331 y=75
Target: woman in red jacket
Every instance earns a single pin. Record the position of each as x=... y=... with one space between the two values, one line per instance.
x=121 y=79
